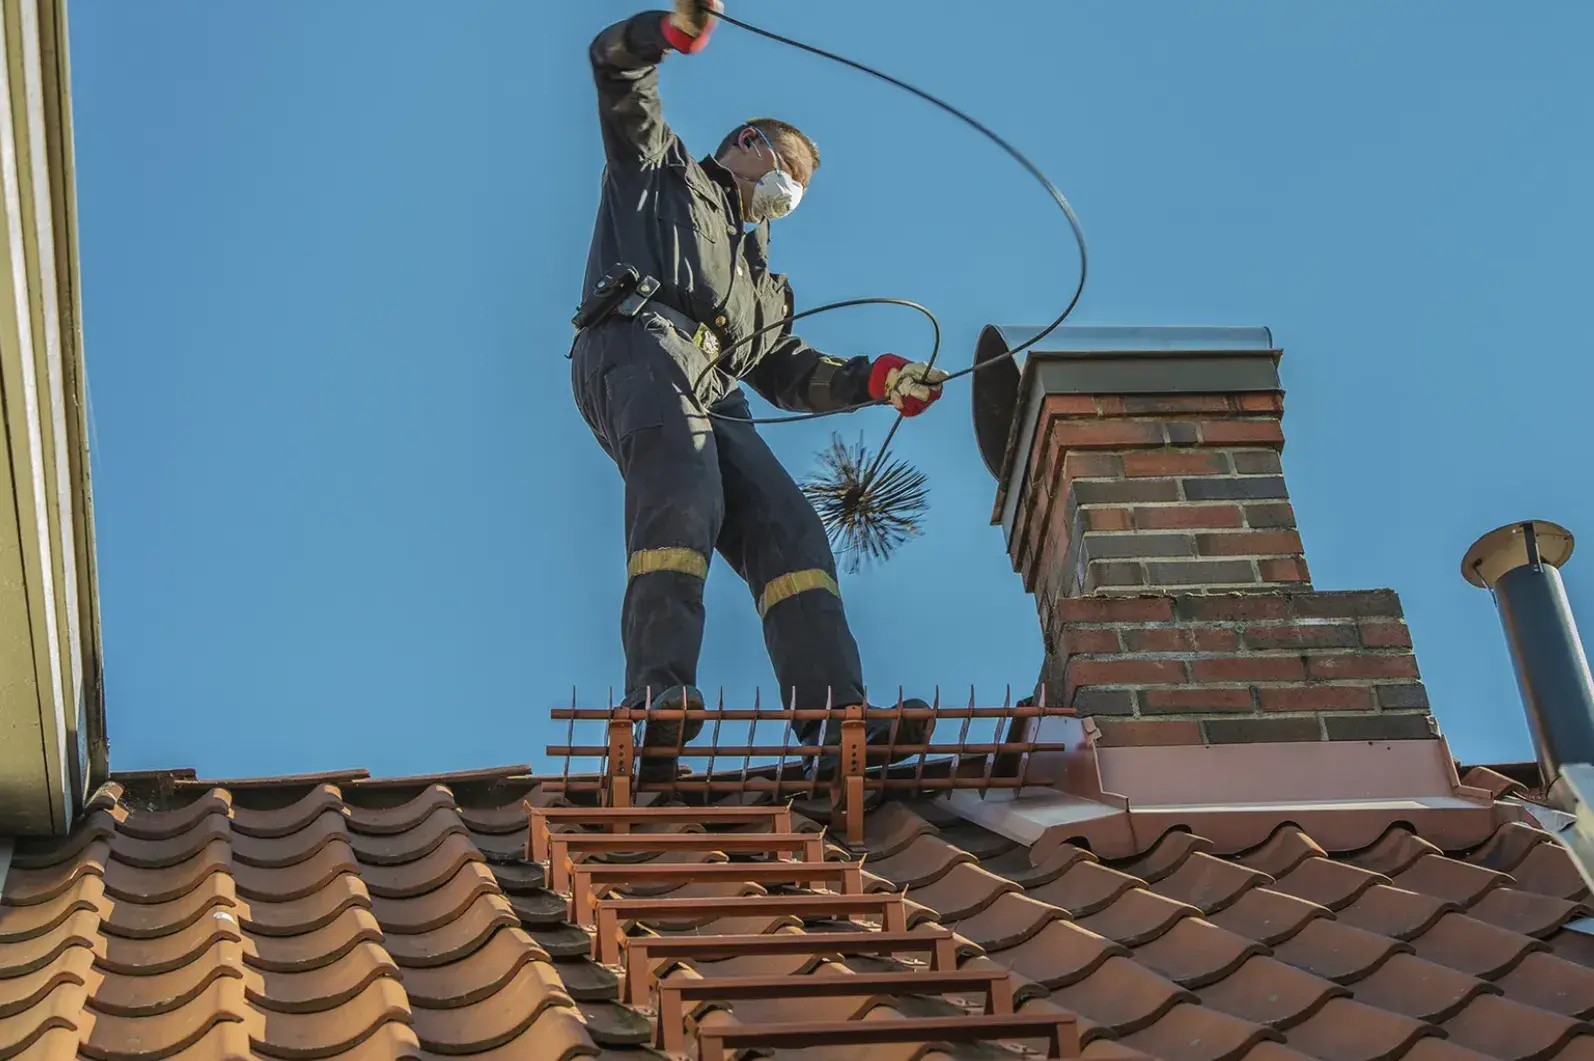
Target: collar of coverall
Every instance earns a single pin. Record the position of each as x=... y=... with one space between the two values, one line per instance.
x=726 y=179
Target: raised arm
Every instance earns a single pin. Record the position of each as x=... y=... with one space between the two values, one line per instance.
x=625 y=65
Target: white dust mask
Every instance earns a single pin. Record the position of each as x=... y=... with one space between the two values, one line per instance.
x=776 y=193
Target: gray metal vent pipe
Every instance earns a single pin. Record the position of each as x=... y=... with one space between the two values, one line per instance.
x=1519 y=563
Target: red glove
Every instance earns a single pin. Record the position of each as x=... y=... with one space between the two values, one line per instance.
x=688 y=29
x=910 y=386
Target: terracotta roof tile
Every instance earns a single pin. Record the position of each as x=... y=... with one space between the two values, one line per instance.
x=1546 y=870
x=1320 y=880
x=1509 y=845
x=1060 y=954
x=1137 y=916
x=1208 y=883
x=389 y=821
x=294 y=916
x=1529 y=913
x=404 y=922
x=1196 y=953
x=1468 y=944
x=1008 y=922
x=1087 y=888
x=25 y=922
x=1395 y=912
x=1337 y=951
x=1549 y=983
x=163 y=1033
x=1016 y=866
x=123 y=995
x=926 y=860
x=1193 y=1033
x=1502 y=1028
x=1394 y=852
x=313 y=990
x=1347 y=1030
x=964 y=891
x=1449 y=879
x=1267 y=991
x=1122 y=996
x=74 y=965
x=1418 y=988
x=1287 y=848
x=285 y=821
x=1166 y=855
x=1268 y=916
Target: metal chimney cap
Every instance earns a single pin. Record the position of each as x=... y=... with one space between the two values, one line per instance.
x=1512 y=546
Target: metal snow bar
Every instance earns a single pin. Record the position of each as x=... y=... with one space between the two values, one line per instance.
x=642 y=951
x=997 y=986
x=889 y=906
x=1059 y=1029
x=587 y=877
x=564 y=848
x=846 y=770
x=620 y=819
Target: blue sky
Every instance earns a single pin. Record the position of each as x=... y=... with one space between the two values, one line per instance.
x=348 y=515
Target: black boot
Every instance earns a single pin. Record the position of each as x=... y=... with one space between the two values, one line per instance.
x=666 y=733
x=877 y=734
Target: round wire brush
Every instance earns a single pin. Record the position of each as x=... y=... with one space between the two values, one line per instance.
x=869 y=506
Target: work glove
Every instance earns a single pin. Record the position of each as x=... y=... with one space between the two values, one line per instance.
x=688 y=29
x=910 y=386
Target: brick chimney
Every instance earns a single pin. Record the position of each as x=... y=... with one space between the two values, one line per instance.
x=1144 y=505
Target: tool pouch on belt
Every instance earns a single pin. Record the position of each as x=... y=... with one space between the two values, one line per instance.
x=622 y=291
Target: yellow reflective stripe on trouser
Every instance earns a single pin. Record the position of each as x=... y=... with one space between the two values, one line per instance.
x=685 y=561
x=790 y=585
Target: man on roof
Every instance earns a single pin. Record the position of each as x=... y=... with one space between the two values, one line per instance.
x=679 y=290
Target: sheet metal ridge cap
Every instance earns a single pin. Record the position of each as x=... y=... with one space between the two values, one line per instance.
x=1141 y=338
x=1100 y=343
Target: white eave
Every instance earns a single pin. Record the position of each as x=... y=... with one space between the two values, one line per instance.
x=52 y=735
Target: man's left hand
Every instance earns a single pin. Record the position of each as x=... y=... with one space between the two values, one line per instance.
x=910 y=386
x=687 y=29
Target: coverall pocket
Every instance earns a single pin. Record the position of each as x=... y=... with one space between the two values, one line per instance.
x=634 y=403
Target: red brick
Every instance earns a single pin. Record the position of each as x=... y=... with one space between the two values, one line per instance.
x=1289 y=569
x=1184 y=516
x=1174 y=462
x=1175 y=700
x=1236 y=607
x=1107 y=433
x=1215 y=639
x=1092 y=465
x=1261 y=402
x=1124 y=672
x=1249 y=543
x=1143 y=405
x=1069 y=405
x=1109 y=519
x=1159 y=639
x=1090 y=640
x=1248 y=669
x=1115 y=609
x=1362 y=665
x=1226 y=432
x=1332 y=636
x=1147 y=734
x=1386 y=635
x=1110 y=404
x=1316 y=698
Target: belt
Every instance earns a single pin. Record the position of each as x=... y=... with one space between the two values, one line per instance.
x=697 y=333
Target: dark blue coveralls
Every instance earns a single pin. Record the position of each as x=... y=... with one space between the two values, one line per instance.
x=694 y=484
